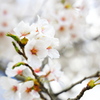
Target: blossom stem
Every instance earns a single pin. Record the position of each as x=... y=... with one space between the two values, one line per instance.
x=23 y=53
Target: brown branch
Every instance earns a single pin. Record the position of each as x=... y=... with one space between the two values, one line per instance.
x=42 y=97
x=38 y=79
x=23 y=54
x=81 y=93
x=97 y=74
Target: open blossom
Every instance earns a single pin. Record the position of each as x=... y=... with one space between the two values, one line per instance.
x=51 y=44
x=44 y=28
x=53 y=71
x=28 y=92
x=7 y=20
x=27 y=73
x=12 y=88
x=35 y=51
x=23 y=29
x=22 y=70
x=16 y=71
x=30 y=31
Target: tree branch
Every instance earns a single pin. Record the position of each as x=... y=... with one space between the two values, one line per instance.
x=97 y=74
x=38 y=79
x=81 y=93
x=41 y=95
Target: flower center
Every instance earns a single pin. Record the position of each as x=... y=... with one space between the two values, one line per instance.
x=37 y=86
x=28 y=90
x=34 y=51
x=49 y=47
x=19 y=72
x=37 y=70
x=63 y=18
x=24 y=34
x=42 y=28
x=67 y=6
x=71 y=27
x=4 y=12
x=4 y=24
x=73 y=35
x=2 y=34
x=14 y=88
x=37 y=30
x=62 y=28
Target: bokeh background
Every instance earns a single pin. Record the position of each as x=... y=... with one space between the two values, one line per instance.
x=77 y=25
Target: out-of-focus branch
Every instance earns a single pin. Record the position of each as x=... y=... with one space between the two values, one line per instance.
x=97 y=74
x=89 y=86
x=96 y=38
x=81 y=93
x=42 y=97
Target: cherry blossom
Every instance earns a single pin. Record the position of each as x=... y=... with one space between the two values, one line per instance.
x=35 y=51
x=52 y=44
x=23 y=29
x=27 y=92
x=11 y=86
x=74 y=23
x=53 y=71
x=45 y=28
x=16 y=71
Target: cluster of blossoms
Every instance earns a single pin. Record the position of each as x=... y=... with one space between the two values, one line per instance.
x=7 y=22
x=35 y=42
x=77 y=26
x=68 y=22
x=9 y=18
x=73 y=21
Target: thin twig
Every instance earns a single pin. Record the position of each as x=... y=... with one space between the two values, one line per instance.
x=81 y=93
x=22 y=47
x=97 y=74
x=42 y=97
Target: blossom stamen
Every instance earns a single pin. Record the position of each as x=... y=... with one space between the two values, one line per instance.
x=63 y=18
x=4 y=24
x=37 y=70
x=19 y=72
x=71 y=27
x=73 y=35
x=49 y=47
x=34 y=51
x=28 y=90
x=4 y=12
x=62 y=28
x=24 y=34
x=1 y=34
x=14 y=88
x=42 y=29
